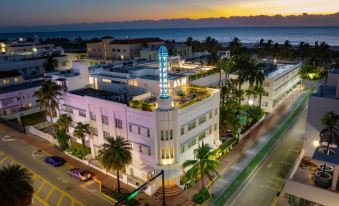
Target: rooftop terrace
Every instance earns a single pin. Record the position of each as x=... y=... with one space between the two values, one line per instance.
x=279 y=70
x=106 y=95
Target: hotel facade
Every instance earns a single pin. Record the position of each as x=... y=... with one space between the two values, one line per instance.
x=163 y=131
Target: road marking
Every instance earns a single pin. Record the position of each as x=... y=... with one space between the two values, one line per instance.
x=7 y=138
x=286 y=163
x=278 y=178
x=60 y=199
x=49 y=193
x=293 y=150
x=1 y=161
x=36 y=154
x=269 y=165
x=40 y=187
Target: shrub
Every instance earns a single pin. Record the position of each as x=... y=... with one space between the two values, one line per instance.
x=78 y=150
x=63 y=139
x=201 y=196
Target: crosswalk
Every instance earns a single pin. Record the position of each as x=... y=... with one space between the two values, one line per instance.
x=45 y=193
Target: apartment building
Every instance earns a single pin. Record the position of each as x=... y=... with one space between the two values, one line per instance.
x=164 y=130
x=17 y=95
x=305 y=186
x=120 y=49
x=281 y=80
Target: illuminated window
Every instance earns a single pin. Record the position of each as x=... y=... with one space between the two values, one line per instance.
x=106 y=80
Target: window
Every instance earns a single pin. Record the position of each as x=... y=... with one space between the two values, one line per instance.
x=216 y=111
x=149 y=151
x=191 y=143
x=104 y=119
x=148 y=133
x=118 y=123
x=191 y=125
x=264 y=104
x=172 y=152
x=139 y=130
x=182 y=148
x=92 y=116
x=130 y=128
x=118 y=50
x=69 y=110
x=106 y=134
x=202 y=136
x=82 y=113
x=140 y=148
x=162 y=153
x=166 y=132
x=210 y=115
x=113 y=50
x=215 y=127
x=171 y=134
x=202 y=119
x=162 y=134
x=266 y=84
x=210 y=131
x=182 y=131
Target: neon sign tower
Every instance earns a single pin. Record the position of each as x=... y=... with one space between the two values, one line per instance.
x=163 y=72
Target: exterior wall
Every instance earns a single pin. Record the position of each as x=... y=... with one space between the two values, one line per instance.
x=10 y=80
x=95 y=50
x=31 y=67
x=16 y=101
x=210 y=80
x=150 y=55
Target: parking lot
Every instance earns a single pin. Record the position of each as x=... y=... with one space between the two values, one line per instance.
x=45 y=193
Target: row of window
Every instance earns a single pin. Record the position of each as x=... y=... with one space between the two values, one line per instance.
x=141 y=148
x=196 y=139
x=166 y=134
x=201 y=120
x=140 y=130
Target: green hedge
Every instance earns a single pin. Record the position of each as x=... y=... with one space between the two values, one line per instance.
x=201 y=196
x=78 y=150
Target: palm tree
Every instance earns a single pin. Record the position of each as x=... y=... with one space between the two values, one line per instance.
x=329 y=134
x=203 y=163
x=16 y=186
x=80 y=132
x=226 y=65
x=259 y=89
x=64 y=122
x=48 y=97
x=116 y=155
x=51 y=64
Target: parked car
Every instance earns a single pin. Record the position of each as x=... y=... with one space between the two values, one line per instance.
x=82 y=175
x=55 y=161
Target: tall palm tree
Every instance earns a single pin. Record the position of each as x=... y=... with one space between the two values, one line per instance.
x=64 y=122
x=259 y=89
x=203 y=163
x=116 y=155
x=48 y=97
x=51 y=64
x=80 y=132
x=225 y=65
x=16 y=186
x=330 y=133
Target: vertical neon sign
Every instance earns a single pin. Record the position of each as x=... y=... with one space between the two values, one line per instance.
x=163 y=72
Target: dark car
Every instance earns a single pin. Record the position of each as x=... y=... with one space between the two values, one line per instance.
x=82 y=175
x=55 y=161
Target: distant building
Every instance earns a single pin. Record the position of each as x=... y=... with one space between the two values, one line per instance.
x=120 y=49
x=141 y=104
x=304 y=186
x=17 y=95
x=280 y=82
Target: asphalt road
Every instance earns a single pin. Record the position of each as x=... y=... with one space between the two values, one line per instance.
x=269 y=178
x=23 y=153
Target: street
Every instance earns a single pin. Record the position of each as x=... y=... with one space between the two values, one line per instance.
x=31 y=158
x=270 y=177
x=236 y=175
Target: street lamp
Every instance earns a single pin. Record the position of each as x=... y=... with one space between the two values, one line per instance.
x=250 y=102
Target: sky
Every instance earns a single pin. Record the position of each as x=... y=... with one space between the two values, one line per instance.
x=54 y=12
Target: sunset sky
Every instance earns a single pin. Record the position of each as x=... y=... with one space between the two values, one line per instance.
x=51 y=12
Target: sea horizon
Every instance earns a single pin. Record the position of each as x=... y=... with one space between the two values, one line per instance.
x=279 y=34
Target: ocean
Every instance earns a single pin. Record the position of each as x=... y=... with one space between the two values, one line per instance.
x=246 y=34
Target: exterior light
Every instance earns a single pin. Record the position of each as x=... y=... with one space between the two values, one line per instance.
x=34 y=49
x=250 y=102
x=316 y=143
x=21 y=39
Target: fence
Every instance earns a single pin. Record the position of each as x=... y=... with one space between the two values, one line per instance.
x=35 y=131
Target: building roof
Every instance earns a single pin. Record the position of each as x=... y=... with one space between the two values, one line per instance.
x=136 y=41
x=100 y=94
x=280 y=70
x=22 y=86
x=10 y=73
x=326 y=92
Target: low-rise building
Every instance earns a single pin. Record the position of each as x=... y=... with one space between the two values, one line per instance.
x=280 y=82
x=163 y=128
x=305 y=185
x=110 y=48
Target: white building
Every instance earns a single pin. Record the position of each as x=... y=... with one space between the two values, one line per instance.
x=303 y=186
x=280 y=82
x=163 y=135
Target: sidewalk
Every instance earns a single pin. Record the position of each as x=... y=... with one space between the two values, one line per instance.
x=106 y=180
